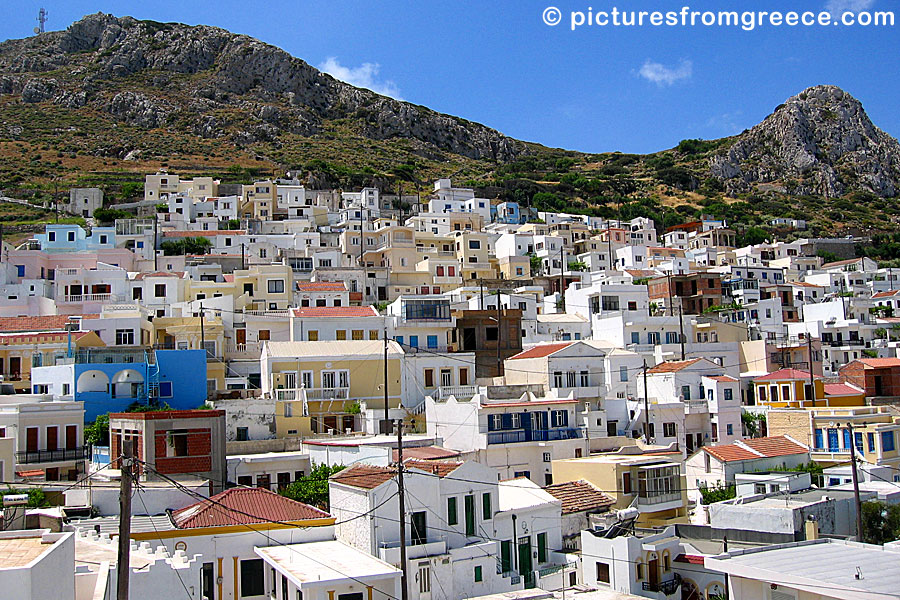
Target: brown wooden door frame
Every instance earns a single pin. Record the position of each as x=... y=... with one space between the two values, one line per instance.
x=52 y=437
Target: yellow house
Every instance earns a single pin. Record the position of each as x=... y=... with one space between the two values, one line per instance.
x=258 y=201
x=36 y=341
x=323 y=387
x=654 y=484
x=876 y=431
x=790 y=388
x=472 y=253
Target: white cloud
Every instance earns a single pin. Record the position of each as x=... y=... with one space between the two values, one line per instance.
x=839 y=7
x=661 y=75
x=726 y=123
x=364 y=76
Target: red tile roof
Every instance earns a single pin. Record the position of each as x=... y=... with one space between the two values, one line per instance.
x=694 y=559
x=336 y=311
x=439 y=468
x=46 y=323
x=427 y=453
x=366 y=477
x=8 y=339
x=878 y=363
x=321 y=286
x=784 y=374
x=723 y=378
x=803 y=284
x=541 y=351
x=887 y=294
x=767 y=447
x=244 y=506
x=579 y=496
x=672 y=366
x=839 y=263
x=842 y=389
x=157 y=415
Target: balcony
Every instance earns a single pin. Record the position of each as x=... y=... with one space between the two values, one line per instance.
x=666 y=587
x=91 y=298
x=432 y=546
x=30 y=457
x=312 y=394
x=460 y=392
x=238 y=351
x=696 y=406
x=658 y=500
x=533 y=435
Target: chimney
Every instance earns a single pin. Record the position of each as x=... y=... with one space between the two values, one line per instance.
x=811 y=526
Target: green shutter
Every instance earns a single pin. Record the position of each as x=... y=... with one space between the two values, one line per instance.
x=478 y=576
x=470 y=515
x=505 y=556
x=542 y=547
x=452 y=516
x=486 y=506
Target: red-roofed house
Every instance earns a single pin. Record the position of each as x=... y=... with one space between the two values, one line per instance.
x=878 y=377
x=336 y=323
x=693 y=403
x=790 y=388
x=321 y=294
x=717 y=465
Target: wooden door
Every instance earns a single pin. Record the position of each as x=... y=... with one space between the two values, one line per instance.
x=52 y=438
x=71 y=437
x=240 y=336
x=31 y=439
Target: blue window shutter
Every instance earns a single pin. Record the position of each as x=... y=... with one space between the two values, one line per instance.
x=507 y=421
x=847 y=439
x=819 y=443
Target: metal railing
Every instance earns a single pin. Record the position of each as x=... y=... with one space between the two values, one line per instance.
x=666 y=587
x=533 y=435
x=25 y=457
x=656 y=498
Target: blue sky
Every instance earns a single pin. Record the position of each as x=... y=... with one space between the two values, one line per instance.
x=594 y=89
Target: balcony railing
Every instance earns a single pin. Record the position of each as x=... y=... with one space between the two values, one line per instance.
x=91 y=298
x=666 y=587
x=25 y=457
x=250 y=350
x=696 y=406
x=533 y=435
x=655 y=498
x=460 y=392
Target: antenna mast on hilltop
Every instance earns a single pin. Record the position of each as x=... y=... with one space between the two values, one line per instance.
x=41 y=19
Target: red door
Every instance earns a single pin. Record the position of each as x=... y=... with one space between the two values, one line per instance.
x=52 y=438
x=71 y=437
x=31 y=439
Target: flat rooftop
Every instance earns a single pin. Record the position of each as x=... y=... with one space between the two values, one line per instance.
x=322 y=562
x=801 y=498
x=824 y=563
x=19 y=551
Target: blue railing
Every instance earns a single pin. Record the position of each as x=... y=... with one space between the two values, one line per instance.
x=533 y=435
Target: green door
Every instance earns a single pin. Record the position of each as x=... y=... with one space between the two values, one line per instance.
x=470 y=515
x=525 y=566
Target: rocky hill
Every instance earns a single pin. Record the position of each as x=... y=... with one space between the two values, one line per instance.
x=216 y=84
x=818 y=142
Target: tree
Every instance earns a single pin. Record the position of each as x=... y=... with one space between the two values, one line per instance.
x=313 y=488
x=709 y=495
x=97 y=433
x=880 y=521
x=752 y=236
x=131 y=190
x=108 y=216
x=184 y=246
x=537 y=265
x=751 y=423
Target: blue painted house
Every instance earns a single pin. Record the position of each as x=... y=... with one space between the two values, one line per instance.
x=112 y=379
x=73 y=238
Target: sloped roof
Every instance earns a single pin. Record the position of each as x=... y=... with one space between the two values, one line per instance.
x=439 y=468
x=366 y=477
x=140 y=276
x=887 y=294
x=842 y=389
x=335 y=311
x=541 y=351
x=784 y=374
x=321 y=286
x=672 y=366
x=426 y=453
x=579 y=496
x=45 y=323
x=244 y=506
x=840 y=263
x=766 y=447
x=723 y=378
x=877 y=363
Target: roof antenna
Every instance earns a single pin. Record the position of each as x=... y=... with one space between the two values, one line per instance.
x=41 y=19
x=858 y=573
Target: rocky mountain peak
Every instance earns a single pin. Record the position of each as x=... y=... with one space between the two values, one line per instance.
x=820 y=141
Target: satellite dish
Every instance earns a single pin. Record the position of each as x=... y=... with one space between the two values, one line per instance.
x=37 y=30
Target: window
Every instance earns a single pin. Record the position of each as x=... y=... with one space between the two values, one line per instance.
x=276 y=286
x=474 y=245
x=478 y=573
x=626 y=483
x=729 y=429
x=432 y=341
x=557 y=379
x=490 y=334
x=242 y=434
x=728 y=394
x=870 y=438
x=602 y=572
x=547 y=457
x=819 y=442
x=340 y=334
x=264 y=335
x=469 y=502
x=20 y=270
x=71 y=236
x=542 y=547
x=165 y=389
x=668 y=429
x=312 y=335
x=429 y=381
x=124 y=337
x=623 y=374
x=585 y=379
x=159 y=290
x=177 y=443
x=452 y=516
x=759 y=488
x=487 y=511
x=67 y=389
x=635 y=337
x=559 y=418
x=252 y=579
x=686 y=392
x=887 y=441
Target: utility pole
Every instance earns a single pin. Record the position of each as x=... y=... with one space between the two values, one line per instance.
x=499 y=329
x=202 y=330
x=609 y=243
x=404 y=591
x=669 y=289
x=562 y=280
x=362 y=229
x=812 y=380
x=385 y=428
x=843 y=299
x=481 y=297
x=155 y=241
x=242 y=257
x=681 y=328
x=859 y=527
x=123 y=564
x=646 y=407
